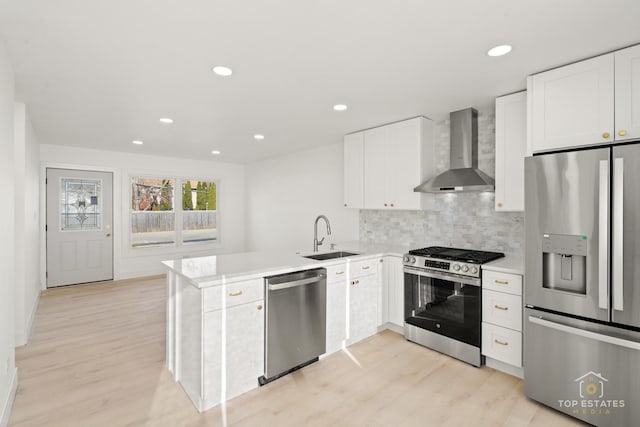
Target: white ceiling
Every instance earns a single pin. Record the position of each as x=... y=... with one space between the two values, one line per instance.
x=101 y=73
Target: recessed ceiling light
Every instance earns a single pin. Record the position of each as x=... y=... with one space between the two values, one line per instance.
x=216 y=152
x=339 y=107
x=166 y=120
x=258 y=136
x=500 y=50
x=137 y=142
x=222 y=71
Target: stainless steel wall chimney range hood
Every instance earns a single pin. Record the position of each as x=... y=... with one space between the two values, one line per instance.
x=463 y=173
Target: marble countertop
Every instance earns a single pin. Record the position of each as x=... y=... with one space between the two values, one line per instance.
x=511 y=263
x=227 y=268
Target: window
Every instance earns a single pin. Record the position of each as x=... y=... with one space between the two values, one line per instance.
x=199 y=211
x=159 y=217
x=152 y=212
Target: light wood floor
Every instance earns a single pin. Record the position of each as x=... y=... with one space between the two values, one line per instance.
x=96 y=358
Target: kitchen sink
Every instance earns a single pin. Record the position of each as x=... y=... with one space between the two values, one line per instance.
x=330 y=255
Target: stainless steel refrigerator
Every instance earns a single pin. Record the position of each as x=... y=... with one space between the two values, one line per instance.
x=582 y=283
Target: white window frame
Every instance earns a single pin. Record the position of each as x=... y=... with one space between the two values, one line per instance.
x=178 y=219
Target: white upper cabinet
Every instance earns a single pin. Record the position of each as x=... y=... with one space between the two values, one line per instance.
x=511 y=143
x=396 y=158
x=572 y=106
x=575 y=106
x=627 y=65
x=375 y=165
x=354 y=170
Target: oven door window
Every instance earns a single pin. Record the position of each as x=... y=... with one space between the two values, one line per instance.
x=443 y=306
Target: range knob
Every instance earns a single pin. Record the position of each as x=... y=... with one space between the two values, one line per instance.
x=474 y=270
x=456 y=267
x=465 y=268
x=413 y=260
x=406 y=258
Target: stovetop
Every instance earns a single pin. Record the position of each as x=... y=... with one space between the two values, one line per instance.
x=457 y=254
x=455 y=261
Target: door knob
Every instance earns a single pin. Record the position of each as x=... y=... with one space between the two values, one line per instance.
x=606 y=135
x=622 y=132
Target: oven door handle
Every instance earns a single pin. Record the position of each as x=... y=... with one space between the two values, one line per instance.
x=444 y=276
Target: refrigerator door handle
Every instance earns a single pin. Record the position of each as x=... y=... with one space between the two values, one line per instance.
x=618 y=233
x=584 y=333
x=603 y=232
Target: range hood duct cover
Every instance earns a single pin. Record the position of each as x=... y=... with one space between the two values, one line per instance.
x=463 y=174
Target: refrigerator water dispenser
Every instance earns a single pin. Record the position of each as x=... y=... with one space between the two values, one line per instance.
x=564 y=263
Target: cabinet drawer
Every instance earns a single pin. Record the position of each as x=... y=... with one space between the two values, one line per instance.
x=363 y=268
x=336 y=273
x=502 y=344
x=233 y=294
x=502 y=282
x=502 y=309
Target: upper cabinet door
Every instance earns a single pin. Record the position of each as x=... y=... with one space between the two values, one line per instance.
x=403 y=164
x=573 y=106
x=511 y=142
x=627 y=65
x=375 y=170
x=354 y=170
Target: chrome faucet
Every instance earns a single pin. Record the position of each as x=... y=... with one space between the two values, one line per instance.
x=317 y=243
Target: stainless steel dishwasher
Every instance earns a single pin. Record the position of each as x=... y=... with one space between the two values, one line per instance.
x=295 y=327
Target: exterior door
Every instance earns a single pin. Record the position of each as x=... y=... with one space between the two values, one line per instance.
x=626 y=235
x=566 y=232
x=79 y=227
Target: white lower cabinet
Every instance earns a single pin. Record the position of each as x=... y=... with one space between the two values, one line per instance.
x=502 y=319
x=233 y=351
x=337 y=281
x=502 y=344
x=363 y=300
x=395 y=289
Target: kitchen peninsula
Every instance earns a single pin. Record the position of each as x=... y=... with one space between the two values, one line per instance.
x=216 y=305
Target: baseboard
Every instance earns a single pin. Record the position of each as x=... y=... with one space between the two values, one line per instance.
x=22 y=337
x=392 y=327
x=144 y=275
x=32 y=316
x=504 y=367
x=5 y=410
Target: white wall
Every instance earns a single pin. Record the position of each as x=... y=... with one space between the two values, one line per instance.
x=285 y=194
x=146 y=261
x=27 y=222
x=8 y=372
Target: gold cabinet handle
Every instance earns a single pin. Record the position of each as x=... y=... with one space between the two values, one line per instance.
x=259 y=307
x=366 y=267
x=381 y=260
x=345 y=205
x=339 y=273
x=499 y=204
x=385 y=204
x=501 y=342
x=392 y=205
x=622 y=132
x=108 y=234
x=606 y=135
x=235 y=294
x=355 y=282
x=501 y=282
x=499 y=307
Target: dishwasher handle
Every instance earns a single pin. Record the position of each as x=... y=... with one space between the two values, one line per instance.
x=295 y=283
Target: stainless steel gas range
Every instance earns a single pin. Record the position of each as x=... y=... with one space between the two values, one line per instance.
x=442 y=305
